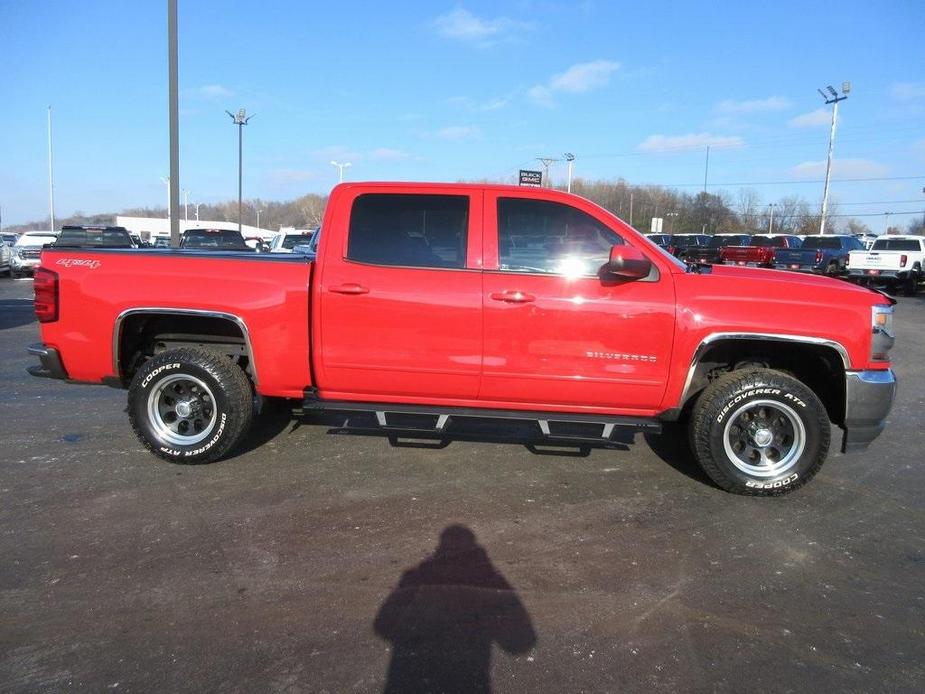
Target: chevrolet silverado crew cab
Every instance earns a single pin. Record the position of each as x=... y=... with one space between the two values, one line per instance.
x=435 y=302
x=893 y=261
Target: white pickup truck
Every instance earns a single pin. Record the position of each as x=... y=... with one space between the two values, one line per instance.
x=894 y=261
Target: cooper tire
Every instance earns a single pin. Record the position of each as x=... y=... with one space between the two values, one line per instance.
x=190 y=405
x=759 y=432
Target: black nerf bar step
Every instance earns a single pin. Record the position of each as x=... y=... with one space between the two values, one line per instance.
x=547 y=421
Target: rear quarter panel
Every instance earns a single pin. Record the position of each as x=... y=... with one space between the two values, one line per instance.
x=268 y=293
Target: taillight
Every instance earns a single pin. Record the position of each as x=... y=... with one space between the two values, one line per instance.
x=903 y=259
x=45 y=285
x=819 y=256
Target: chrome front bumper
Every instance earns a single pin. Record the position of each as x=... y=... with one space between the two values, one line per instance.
x=868 y=398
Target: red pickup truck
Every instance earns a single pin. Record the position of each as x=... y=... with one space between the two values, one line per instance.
x=445 y=301
x=760 y=250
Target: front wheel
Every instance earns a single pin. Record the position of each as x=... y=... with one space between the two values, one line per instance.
x=759 y=432
x=190 y=405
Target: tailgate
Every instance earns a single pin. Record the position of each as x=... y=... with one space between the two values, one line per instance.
x=877 y=260
x=794 y=256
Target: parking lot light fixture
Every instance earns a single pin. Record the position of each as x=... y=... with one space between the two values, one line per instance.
x=569 y=157
x=240 y=119
x=340 y=168
x=831 y=98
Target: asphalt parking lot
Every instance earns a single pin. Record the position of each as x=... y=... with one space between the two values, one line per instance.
x=320 y=561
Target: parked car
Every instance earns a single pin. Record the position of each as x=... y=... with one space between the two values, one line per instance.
x=8 y=238
x=822 y=255
x=161 y=242
x=760 y=250
x=893 y=262
x=5 y=255
x=27 y=251
x=285 y=241
x=73 y=236
x=419 y=307
x=257 y=243
x=712 y=252
x=214 y=240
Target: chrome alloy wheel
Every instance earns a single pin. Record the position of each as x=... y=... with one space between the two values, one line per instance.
x=764 y=438
x=181 y=410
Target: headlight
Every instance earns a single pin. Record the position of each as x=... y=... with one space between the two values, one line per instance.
x=882 y=338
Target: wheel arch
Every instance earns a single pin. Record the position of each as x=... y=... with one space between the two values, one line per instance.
x=134 y=328
x=819 y=363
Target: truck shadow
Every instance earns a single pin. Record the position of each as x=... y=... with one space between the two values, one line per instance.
x=672 y=447
x=15 y=313
x=446 y=616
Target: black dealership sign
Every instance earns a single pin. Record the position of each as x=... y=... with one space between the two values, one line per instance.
x=531 y=178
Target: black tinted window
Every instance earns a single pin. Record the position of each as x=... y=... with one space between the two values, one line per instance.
x=896 y=245
x=409 y=230
x=540 y=236
x=822 y=242
x=95 y=238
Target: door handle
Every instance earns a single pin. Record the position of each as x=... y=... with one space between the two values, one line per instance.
x=515 y=297
x=351 y=288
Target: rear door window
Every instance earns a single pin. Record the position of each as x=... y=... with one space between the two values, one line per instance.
x=427 y=231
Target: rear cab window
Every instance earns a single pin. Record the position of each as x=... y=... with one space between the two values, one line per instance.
x=896 y=245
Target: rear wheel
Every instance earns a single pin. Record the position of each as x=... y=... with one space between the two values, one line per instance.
x=190 y=405
x=832 y=268
x=911 y=285
x=759 y=432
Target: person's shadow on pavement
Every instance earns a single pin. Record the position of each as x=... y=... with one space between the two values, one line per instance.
x=444 y=616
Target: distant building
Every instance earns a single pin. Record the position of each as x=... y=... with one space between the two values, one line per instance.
x=158 y=227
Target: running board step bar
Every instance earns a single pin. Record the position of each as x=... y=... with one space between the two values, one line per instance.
x=608 y=423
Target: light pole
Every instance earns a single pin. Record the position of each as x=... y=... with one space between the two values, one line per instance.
x=186 y=205
x=258 y=217
x=340 y=169
x=569 y=157
x=887 y=230
x=51 y=176
x=240 y=119
x=197 y=210
x=831 y=98
x=166 y=181
x=771 y=217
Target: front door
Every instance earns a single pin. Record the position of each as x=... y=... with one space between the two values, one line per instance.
x=555 y=333
x=400 y=297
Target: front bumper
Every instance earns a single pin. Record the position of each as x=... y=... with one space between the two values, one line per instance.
x=24 y=264
x=51 y=366
x=868 y=398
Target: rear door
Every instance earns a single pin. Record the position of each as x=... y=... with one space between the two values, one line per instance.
x=555 y=333
x=400 y=295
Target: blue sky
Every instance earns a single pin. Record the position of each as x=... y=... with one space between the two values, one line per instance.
x=449 y=91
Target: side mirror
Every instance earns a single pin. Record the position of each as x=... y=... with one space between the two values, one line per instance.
x=626 y=263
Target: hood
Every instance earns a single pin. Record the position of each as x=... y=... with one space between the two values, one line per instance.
x=788 y=286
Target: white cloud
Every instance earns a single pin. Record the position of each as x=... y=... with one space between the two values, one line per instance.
x=209 y=91
x=668 y=143
x=577 y=79
x=388 y=154
x=844 y=168
x=772 y=103
x=462 y=25
x=458 y=133
x=908 y=91
x=821 y=116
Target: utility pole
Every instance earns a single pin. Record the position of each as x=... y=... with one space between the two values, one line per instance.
x=631 y=208
x=51 y=176
x=186 y=205
x=831 y=98
x=240 y=119
x=771 y=219
x=546 y=161
x=174 y=118
x=258 y=217
x=706 y=170
x=570 y=158
x=197 y=210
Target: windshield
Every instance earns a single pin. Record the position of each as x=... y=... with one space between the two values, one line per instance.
x=217 y=239
x=822 y=242
x=293 y=240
